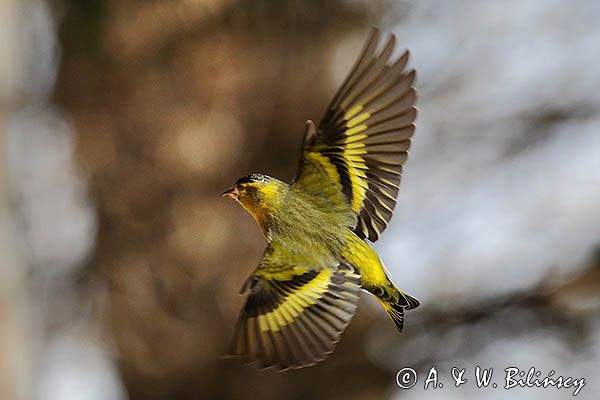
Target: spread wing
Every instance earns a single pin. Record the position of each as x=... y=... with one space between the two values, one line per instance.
x=362 y=142
x=293 y=317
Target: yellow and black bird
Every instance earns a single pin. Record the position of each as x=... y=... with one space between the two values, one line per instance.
x=305 y=289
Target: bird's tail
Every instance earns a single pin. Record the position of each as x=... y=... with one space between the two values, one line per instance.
x=395 y=306
x=408 y=301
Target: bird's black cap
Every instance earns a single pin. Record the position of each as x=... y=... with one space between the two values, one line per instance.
x=254 y=178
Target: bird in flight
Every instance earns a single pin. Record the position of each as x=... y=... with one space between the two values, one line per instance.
x=305 y=290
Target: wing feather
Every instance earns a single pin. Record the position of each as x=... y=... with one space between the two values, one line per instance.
x=296 y=321
x=362 y=142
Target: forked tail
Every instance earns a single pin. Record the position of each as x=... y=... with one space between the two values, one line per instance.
x=395 y=304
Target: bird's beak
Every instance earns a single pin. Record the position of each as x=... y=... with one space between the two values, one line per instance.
x=231 y=193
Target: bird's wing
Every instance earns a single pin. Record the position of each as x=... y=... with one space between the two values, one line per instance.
x=362 y=142
x=293 y=316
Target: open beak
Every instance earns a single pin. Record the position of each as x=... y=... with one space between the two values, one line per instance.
x=231 y=193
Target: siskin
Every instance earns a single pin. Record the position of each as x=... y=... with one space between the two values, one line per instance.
x=305 y=289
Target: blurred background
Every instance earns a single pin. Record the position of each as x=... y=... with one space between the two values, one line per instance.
x=121 y=121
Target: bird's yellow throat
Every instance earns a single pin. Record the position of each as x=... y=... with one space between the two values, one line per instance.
x=263 y=200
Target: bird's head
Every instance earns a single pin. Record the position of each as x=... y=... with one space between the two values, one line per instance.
x=260 y=195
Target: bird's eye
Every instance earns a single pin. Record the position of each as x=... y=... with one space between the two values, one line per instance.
x=249 y=190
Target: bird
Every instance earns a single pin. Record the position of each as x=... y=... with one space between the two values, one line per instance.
x=319 y=229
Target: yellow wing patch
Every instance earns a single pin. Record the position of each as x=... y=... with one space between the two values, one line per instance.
x=291 y=306
x=320 y=159
x=358 y=119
